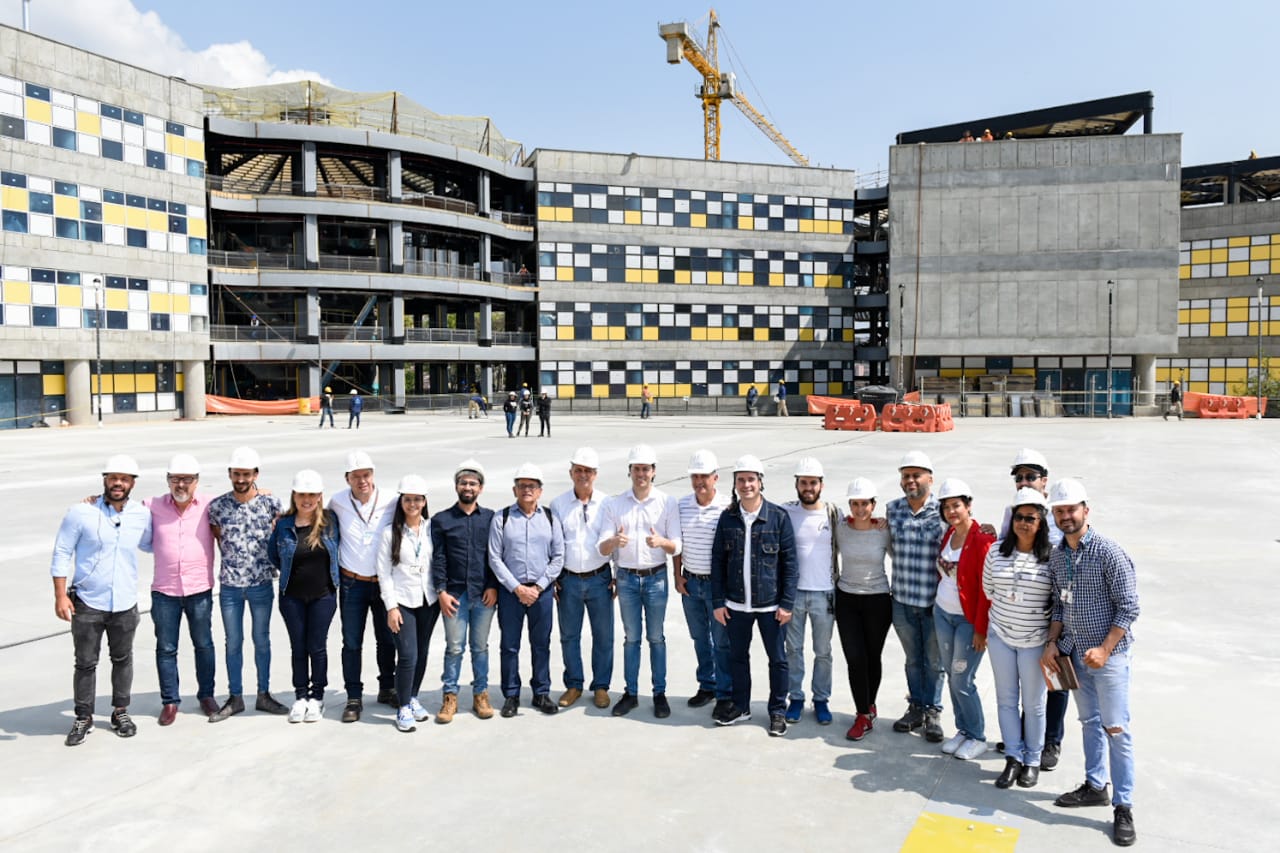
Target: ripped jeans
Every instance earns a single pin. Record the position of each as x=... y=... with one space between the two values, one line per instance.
x=960 y=663
x=1103 y=703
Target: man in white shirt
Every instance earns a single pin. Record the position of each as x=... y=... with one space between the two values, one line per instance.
x=699 y=513
x=814 y=522
x=639 y=529
x=362 y=511
x=585 y=586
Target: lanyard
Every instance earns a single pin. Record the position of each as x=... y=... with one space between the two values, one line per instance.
x=373 y=506
x=416 y=536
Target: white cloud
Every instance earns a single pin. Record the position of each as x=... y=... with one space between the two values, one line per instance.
x=116 y=28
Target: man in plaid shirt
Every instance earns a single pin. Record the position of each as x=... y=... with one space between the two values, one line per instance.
x=1095 y=603
x=915 y=529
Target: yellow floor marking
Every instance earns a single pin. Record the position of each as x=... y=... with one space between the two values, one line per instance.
x=936 y=833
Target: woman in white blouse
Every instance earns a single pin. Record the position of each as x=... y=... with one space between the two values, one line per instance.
x=404 y=580
x=1016 y=578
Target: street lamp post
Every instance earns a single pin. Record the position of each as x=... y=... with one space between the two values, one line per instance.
x=1259 y=374
x=97 y=340
x=1111 y=285
x=902 y=337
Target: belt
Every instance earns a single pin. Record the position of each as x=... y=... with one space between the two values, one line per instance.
x=645 y=573
x=702 y=576
x=347 y=573
x=588 y=574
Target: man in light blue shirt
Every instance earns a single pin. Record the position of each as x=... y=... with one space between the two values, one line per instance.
x=96 y=548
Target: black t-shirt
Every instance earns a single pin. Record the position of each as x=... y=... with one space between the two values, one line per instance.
x=309 y=576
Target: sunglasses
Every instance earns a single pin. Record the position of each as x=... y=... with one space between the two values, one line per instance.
x=1026 y=519
x=1026 y=478
x=182 y=481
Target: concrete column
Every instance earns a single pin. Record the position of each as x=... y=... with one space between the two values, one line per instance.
x=313 y=313
x=309 y=168
x=312 y=385
x=486 y=256
x=482 y=189
x=395 y=332
x=1144 y=379
x=486 y=382
x=397 y=390
x=396 y=231
x=311 y=241
x=484 y=335
x=193 y=390
x=394 y=176
x=79 y=392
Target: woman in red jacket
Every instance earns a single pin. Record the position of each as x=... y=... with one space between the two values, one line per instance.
x=960 y=615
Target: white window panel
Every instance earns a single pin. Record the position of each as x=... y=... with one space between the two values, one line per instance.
x=10 y=105
x=134 y=155
x=1218 y=243
x=17 y=315
x=600 y=275
x=166 y=401
x=89 y=145
x=105 y=400
x=648 y=217
x=649 y=204
x=547 y=333
x=1238 y=253
x=1259 y=268
x=697 y=277
x=40 y=225
x=1184 y=258
x=582 y=377
x=1260 y=240
x=139 y=321
x=133 y=135
x=731 y=278
x=43 y=294
x=564 y=188
x=546 y=186
x=649 y=262
x=564 y=318
x=194 y=212
x=200 y=305
x=582 y=306
x=153 y=139
x=713 y=208
x=617 y=217
x=113 y=235
x=667 y=219
x=1200 y=271
x=145 y=402
x=682 y=205
x=177 y=165
x=153 y=123
x=112 y=129
x=8 y=84
x=180 y=322
x=582 y=259
x=195 y=133
x=179 y=287
x=16 y=273
x=138 y=300
x=669 y=319
x=178 y=244
x=158 y=286
x=40 y=134
x=682 y=320
x=157 y=241
x=666 y=263
x=69 y=318
x=598 y=201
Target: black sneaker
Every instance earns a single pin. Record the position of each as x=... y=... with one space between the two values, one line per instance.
x=1122 y=832
x=625 y=705
x=910 y=721
x=1085 y=795
x=79 y=730
x=234 y=705
x=933 y=726
x=1049 y=758
x=351 y=712
x=661 y=707
x=122 y=723
x=721 y=708
x=387 y=696
x=701 y=698
x=777 y=725
x=732 y=715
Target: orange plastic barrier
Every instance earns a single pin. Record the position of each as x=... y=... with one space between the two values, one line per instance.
x=835 y=416
x=215 y=405
x=850 y=416
x=864 y=418
x=909 y=417
x=942 y=417
x=1220 y=406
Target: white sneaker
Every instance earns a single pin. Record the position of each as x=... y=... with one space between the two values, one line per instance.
x=419 y=713
x=404 y=718
x=956 y=741
x=298 y=711
x=315 y=710
x=972 y=748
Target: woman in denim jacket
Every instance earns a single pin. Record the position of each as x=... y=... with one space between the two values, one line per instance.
x=304 y=549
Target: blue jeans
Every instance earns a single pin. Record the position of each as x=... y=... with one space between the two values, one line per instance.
x=592 y=597
x=511 y=618
x=329 y=414
x=511 y=422
x=914 y=627
x=773 y=636
x=308 y=625
x=1103 y=703
x=955 y=648
x=353 y=417
x=642 y=603
x=356 y=600
x=710 y=638
x=1017 y=674
x=411 y=648
x=231 y=601
x=819 y=609
x=166 y=613
x=472 y=622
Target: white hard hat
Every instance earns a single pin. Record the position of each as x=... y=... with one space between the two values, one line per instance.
x=307 y=482
x=121 y=464
x=469 y=465
x=1029 y=497
x=861 y=489
x=642 y=454
x=954 y=488
x=916 y=459
x=586 y=457
x=529 y=471
x=412 y=484
x=1067 y=492
x=1028 y=458
x=748 y=463
x=703 y=462
x=807 y=466
x=358 y=460
x=354 y=393
x=244 y=457
x=183 y=463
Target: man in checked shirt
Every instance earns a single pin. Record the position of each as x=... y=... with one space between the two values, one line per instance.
x=1095 y=603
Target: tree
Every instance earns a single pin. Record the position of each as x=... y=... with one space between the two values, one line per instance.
x=1270 y=382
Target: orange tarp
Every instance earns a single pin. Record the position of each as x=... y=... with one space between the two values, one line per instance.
x=215 y=405
x=818 y=405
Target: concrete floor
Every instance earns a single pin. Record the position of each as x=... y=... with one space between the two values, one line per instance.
x=1194 y=503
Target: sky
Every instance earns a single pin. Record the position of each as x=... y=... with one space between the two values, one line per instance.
x=838 y=78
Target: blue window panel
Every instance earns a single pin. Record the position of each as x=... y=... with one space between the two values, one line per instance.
x=195 y=169
x=91 y=210
x=38 y=92
x=176 y=208
x=118 y=320
x=135 y=200
x=137 y=284
x=44 y=276
x=110 y=112
x=89 y=318
x=15 y=221
x=135 y=237
x=199 y=290
x=68 y=229
x=195 y=246
x=64 y=139
x=159 y=322
x=133 y=117
x=117 y=282
x=68 y=277
x=64 y=188
x=112 y=197
x=177 y=225
x=112 y=150
x=44 y=315
x=159 y=205
x=39 y=202
x=14 y=128
x=91 y=231
x=175 y=128
x=13 y=179
x=155 y=159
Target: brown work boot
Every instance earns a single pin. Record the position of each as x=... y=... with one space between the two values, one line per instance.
x=602 y=698
x=480 y=705
x=448 y=708
x=571 y=695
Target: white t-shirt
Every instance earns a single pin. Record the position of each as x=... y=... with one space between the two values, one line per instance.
x=948 y=592
x=748 y=518
x=813 y=545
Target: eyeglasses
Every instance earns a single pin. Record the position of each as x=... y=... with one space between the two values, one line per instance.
x=182 y=481
x=528 y=487
x=413 y=499
x=1026 y=478
x=1026 y=519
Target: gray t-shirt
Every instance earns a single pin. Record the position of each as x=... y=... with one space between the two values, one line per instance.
x=862 y=555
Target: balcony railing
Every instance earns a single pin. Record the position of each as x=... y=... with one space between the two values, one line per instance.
x=455 y=336
x=432 y=269
x=360 y=334
x=353 y=263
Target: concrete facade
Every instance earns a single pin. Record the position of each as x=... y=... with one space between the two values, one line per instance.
x=1001 y=252
x=104 y=228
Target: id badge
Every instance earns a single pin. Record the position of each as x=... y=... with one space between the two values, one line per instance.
x=1066 y=596
x=1014 y=597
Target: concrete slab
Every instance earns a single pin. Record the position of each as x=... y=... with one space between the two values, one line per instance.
x=1193 y=502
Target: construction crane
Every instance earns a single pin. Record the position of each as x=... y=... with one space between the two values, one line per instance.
x=717 y=86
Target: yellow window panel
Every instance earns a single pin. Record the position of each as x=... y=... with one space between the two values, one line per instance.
x=715 y=334
x=776 y=279
x=117 y=300
x=546 y=213
x=113 y=214
x=17 y=293
x=760 y=334
x=746 y=223
x=617 y=333
x=599 y=333
x=68 y=207
x=1162 y=374
x=136 y=218
x=1024 y=371
x=89 y=123
x=564 y=273
x=565 y=392
x=181 y=303
x=1238 y=374
x=950 y=372
x=195 y=149
x=649 y=276
x=835 y=388
x=175 y=144
x=697 y=220
x=160 y=302
x=563 y=333
x=649 y=333
x=144 y=383
x=746 y=279
x=1199 y=256
x=1275 y=267
x=1184 y=271
x=1198 y=315
x=38 y=110
x=1218 y=256
x=806 y=334
x=196 y=228
x=14 y=198
x=1238 y=268
x=1184 y=316
x=598 y=391
x=54 y=384
x=108 y=384
x=1236 y=242
x=125 y=383
x=564 y=214
x=1260 y=253
x=633 y=390
x=633 y=276
x=698 y=333
x=1217 y=330
x=631 y=217
x=1217 y=374
x=665 y=391
x=69 y=296
x=806 y=226
x=157 y=221
x=848 y=335
x=682 y=276
x=715 y=277
x=806 y=388
x=1275 y=251
x=684 y=390
x=180 y=382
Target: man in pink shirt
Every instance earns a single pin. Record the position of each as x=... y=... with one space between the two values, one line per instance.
x=183 y=545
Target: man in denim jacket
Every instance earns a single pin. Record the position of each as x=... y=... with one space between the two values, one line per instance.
x=754 y=586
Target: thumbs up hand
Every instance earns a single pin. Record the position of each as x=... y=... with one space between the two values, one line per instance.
x=622 y=537
x=653 y=540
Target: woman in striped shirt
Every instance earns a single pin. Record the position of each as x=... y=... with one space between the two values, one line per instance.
x=1016 y=578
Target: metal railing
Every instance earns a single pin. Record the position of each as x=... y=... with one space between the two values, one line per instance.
x=513 y=339
x=255 y=260
x=454 y=205
x=521 y=220
x=432 y=269
x=432 y=336
x=352 y=263
x=519 y=279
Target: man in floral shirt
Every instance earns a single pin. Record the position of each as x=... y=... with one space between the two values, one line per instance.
x=242 y=520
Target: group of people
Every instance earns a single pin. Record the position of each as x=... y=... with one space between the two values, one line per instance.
x=523 y=405
x=1050 y=598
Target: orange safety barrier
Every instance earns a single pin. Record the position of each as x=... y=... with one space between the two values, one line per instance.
x=835 y=416
x=215 y=405
x=850 y=416
x=1220 y=406
x=942 y=416
x=864 y=418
